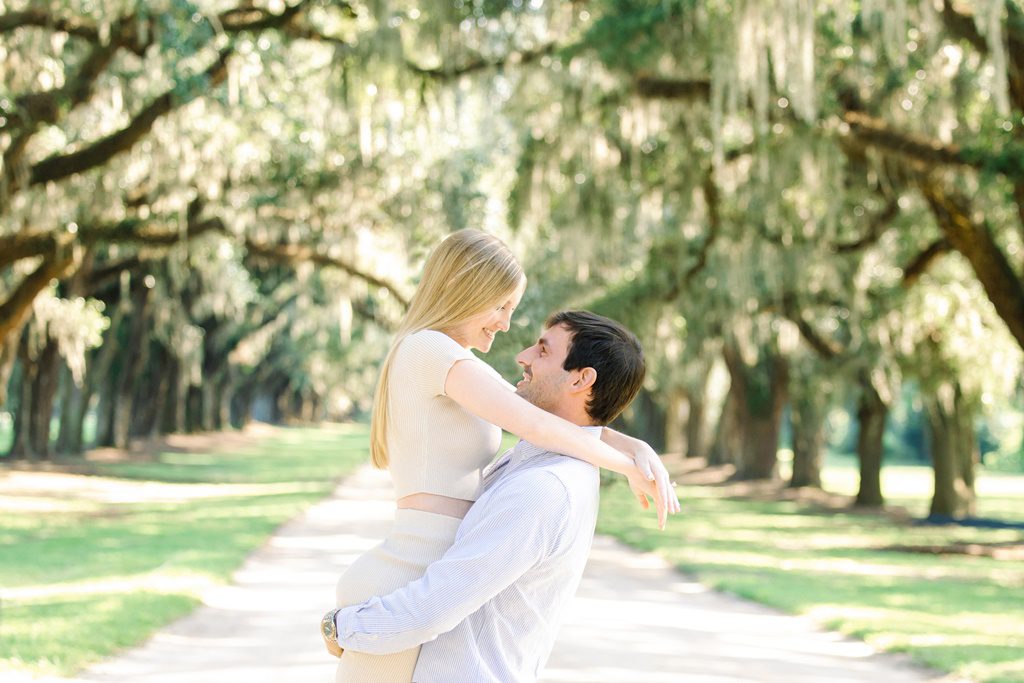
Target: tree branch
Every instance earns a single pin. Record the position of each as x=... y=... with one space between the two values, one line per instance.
x=923 y=261
x=972 y=237
x=868 y=130
x=673 y=89
x=98 y=278
x=915 y=148
x=21 y=245
x=960 y=23
x=14 y=311
x=925 y=153
x=41 y=18
x=150 y=232
x=512 y=58
x=49 y=106
x=61 y=166
x=875 y=230
x=298 y=253
x=712 y=198
x=824 y=347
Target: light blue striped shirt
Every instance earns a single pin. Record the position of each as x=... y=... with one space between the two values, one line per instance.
x=489 y=610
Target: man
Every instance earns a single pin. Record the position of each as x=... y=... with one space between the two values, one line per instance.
x=497 y=595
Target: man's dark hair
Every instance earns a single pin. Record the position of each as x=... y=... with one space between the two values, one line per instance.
x=613 y=351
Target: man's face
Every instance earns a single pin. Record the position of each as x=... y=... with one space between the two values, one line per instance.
x=545 y=382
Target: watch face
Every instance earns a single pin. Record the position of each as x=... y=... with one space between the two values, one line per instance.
x=327 y=625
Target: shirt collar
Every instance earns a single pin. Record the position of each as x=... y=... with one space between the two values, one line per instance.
x=525 y=450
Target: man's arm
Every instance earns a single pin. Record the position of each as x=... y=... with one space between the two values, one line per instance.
x=511 y=528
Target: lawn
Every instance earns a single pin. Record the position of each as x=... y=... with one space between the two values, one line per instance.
x=958 y=613
x=96 y=563
x=99 y=562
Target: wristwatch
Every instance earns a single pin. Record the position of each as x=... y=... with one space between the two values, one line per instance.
x=329 y=630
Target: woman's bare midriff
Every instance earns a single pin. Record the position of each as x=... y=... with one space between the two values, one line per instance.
x=441 y=505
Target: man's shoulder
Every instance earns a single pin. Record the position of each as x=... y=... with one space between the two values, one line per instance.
x=552 y=474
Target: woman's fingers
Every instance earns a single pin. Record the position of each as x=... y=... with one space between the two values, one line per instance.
x=643 y=463
x=639 y=493
x=664 y=505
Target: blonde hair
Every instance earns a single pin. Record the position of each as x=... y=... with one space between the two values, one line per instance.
x=467 y=274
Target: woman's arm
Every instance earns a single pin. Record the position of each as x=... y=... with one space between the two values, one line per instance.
x=471 y=386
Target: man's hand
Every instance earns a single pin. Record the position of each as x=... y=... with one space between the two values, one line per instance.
x=329 y=630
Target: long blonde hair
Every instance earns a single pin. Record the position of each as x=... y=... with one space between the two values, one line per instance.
x=467 y=274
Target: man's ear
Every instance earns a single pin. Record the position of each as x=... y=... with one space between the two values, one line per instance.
x=585 y=379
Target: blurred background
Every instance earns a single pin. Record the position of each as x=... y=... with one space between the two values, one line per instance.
x=213 y=212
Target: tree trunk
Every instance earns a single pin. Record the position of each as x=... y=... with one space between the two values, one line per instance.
x=193 y=409
x=728 y=442
x=969 y=453
x=70 y=406
x=172 y=414
x=101 y=378
x=8 y=356
x=106 y=405
x=872 y=412
x=151 y=393
x=136 y=352
x=953 y=447
x=69 y=435
x=21 y=447
x=696 y=428
x=677 y=415
x=44 y=391
x=208 y=415
x=807 y=417
x=74 y=406
x=763 y=391
x=225 y=393
x=241 y=406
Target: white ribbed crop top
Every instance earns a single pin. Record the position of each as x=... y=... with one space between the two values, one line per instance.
x=434 y=446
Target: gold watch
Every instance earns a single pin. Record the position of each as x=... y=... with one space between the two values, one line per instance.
x=329 y=630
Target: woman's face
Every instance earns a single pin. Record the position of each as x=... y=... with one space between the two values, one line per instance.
x=479 y=331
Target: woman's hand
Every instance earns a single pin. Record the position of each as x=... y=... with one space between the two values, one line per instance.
x=652 y=480
x=648 y=477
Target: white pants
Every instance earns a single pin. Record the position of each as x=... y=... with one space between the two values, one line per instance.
x=416 y=539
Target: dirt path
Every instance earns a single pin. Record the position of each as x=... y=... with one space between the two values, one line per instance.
x=634 y=618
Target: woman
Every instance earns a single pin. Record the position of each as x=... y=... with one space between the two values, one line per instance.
x=437 y=421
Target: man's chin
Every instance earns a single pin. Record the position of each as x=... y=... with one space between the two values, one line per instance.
x=524 y=393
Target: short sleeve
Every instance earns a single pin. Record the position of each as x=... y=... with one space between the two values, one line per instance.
x=423 y=360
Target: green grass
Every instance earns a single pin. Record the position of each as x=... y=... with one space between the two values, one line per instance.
x=954 y=612
x=89 y=577
x=1000 y=494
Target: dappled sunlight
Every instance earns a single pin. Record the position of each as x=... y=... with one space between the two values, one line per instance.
x=33 y=504
x=912 y=486
x=831 y=565
x=45 y=488
x=157 y=582
x=1006 y=671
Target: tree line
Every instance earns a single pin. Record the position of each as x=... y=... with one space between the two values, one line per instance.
x=215 y=214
